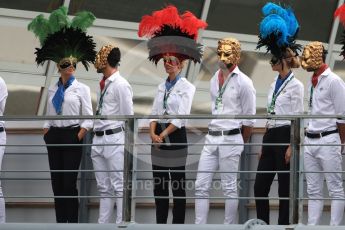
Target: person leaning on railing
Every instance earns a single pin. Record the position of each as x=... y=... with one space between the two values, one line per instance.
x=115 y=97
x=3 y=98
x=285 y=97
x=65 y=43
x=232 y=93
x=326 y=97
x=174 y=41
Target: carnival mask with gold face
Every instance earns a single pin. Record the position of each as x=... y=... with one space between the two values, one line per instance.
x=312 y=56
x=67 y=62
x=102 y=57
x=229 y=51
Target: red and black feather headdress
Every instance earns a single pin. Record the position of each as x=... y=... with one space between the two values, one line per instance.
x=340 y=12
x=172 y=33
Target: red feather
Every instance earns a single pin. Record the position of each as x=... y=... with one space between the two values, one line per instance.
x=192 y=24
x=150 y=24
x=340 y=12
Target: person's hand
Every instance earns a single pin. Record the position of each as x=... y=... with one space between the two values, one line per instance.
x=288 y=155
x=81 y=134
x=260 y=153
x=156 y=139
x=45 y=130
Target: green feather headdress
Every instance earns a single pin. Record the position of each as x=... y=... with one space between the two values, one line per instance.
x=62 y=38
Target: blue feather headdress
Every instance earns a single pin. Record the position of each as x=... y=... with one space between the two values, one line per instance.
x=278 y=30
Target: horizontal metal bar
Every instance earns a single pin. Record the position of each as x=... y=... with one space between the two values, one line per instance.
x=164 y=117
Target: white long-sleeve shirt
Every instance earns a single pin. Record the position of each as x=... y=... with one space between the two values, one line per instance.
x=288 y=102
x=328 y=99
x=238 y=99
x=3 y=97
x=77 y=101
x=117 y=100
x=179 y=102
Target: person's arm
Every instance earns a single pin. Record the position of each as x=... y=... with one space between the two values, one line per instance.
x=185 y=105
x=246 y=133
x=248 y=103
x=341 y=128
x=337 y=89
x=125 y=95
x=154 y=137
x=86 y=109
x=170 y=129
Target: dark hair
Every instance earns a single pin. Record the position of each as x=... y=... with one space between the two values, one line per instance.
x=324 y=54
x=114 y=57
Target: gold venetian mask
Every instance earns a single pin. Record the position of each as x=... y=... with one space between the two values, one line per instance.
x=312 y=56
x=101 y=57
x=229 y=51
x=67 y=62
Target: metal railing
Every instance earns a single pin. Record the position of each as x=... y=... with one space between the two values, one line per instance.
x=131 y=154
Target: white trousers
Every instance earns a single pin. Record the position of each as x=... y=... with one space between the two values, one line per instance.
x=109 y=183
x=324 y=158
x=2 y=200
x=226 y=158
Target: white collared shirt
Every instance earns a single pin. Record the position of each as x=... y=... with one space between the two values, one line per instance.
x=77 y=101
x=179 y=102
x=288 y=102
x=3 y=97
x=238 y=99
x=117 y=100
x=328 y=99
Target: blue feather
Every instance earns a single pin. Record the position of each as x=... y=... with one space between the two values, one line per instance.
x=276 y=25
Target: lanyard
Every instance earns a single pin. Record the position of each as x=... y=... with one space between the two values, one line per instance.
x=167 y=94
x=271 y=108
x=100 y=103
x=221 y=91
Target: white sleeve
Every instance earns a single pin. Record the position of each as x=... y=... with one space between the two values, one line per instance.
x=3 y=96
x=125 y=95
x=297 y=98
x=154 y=110
x=184 y=106
x=337 y=89
x=86 y=107
x=248 y=103
x=48 y=123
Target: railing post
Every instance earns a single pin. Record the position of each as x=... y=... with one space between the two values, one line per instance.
x=127 y=214
x=84 y=187
x=301 y=172
x=243 y=186
x=294 y=170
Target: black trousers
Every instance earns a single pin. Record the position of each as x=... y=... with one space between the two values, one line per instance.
x=273 y=159
x=171 y=157
x=64 y=183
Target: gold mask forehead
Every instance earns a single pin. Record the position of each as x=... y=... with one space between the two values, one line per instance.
x=69 y=59
x=101 y=57
x=312 y=55
x=231 y=49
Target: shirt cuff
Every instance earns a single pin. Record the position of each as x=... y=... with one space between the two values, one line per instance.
x=177 y=123
x=249 y=123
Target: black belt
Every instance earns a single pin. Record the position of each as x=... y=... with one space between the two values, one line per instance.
x=66 y=127
x=2 y=129
x=109 y=131
x=319 y=135
x=224 y=132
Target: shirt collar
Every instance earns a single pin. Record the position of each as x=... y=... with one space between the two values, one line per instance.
x=114 y=76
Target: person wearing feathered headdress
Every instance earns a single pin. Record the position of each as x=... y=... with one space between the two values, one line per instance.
x=65 y=42
x=326 y=92
x=278 y=31
x=232 y=93
x=172 y=37
x=114 y=97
